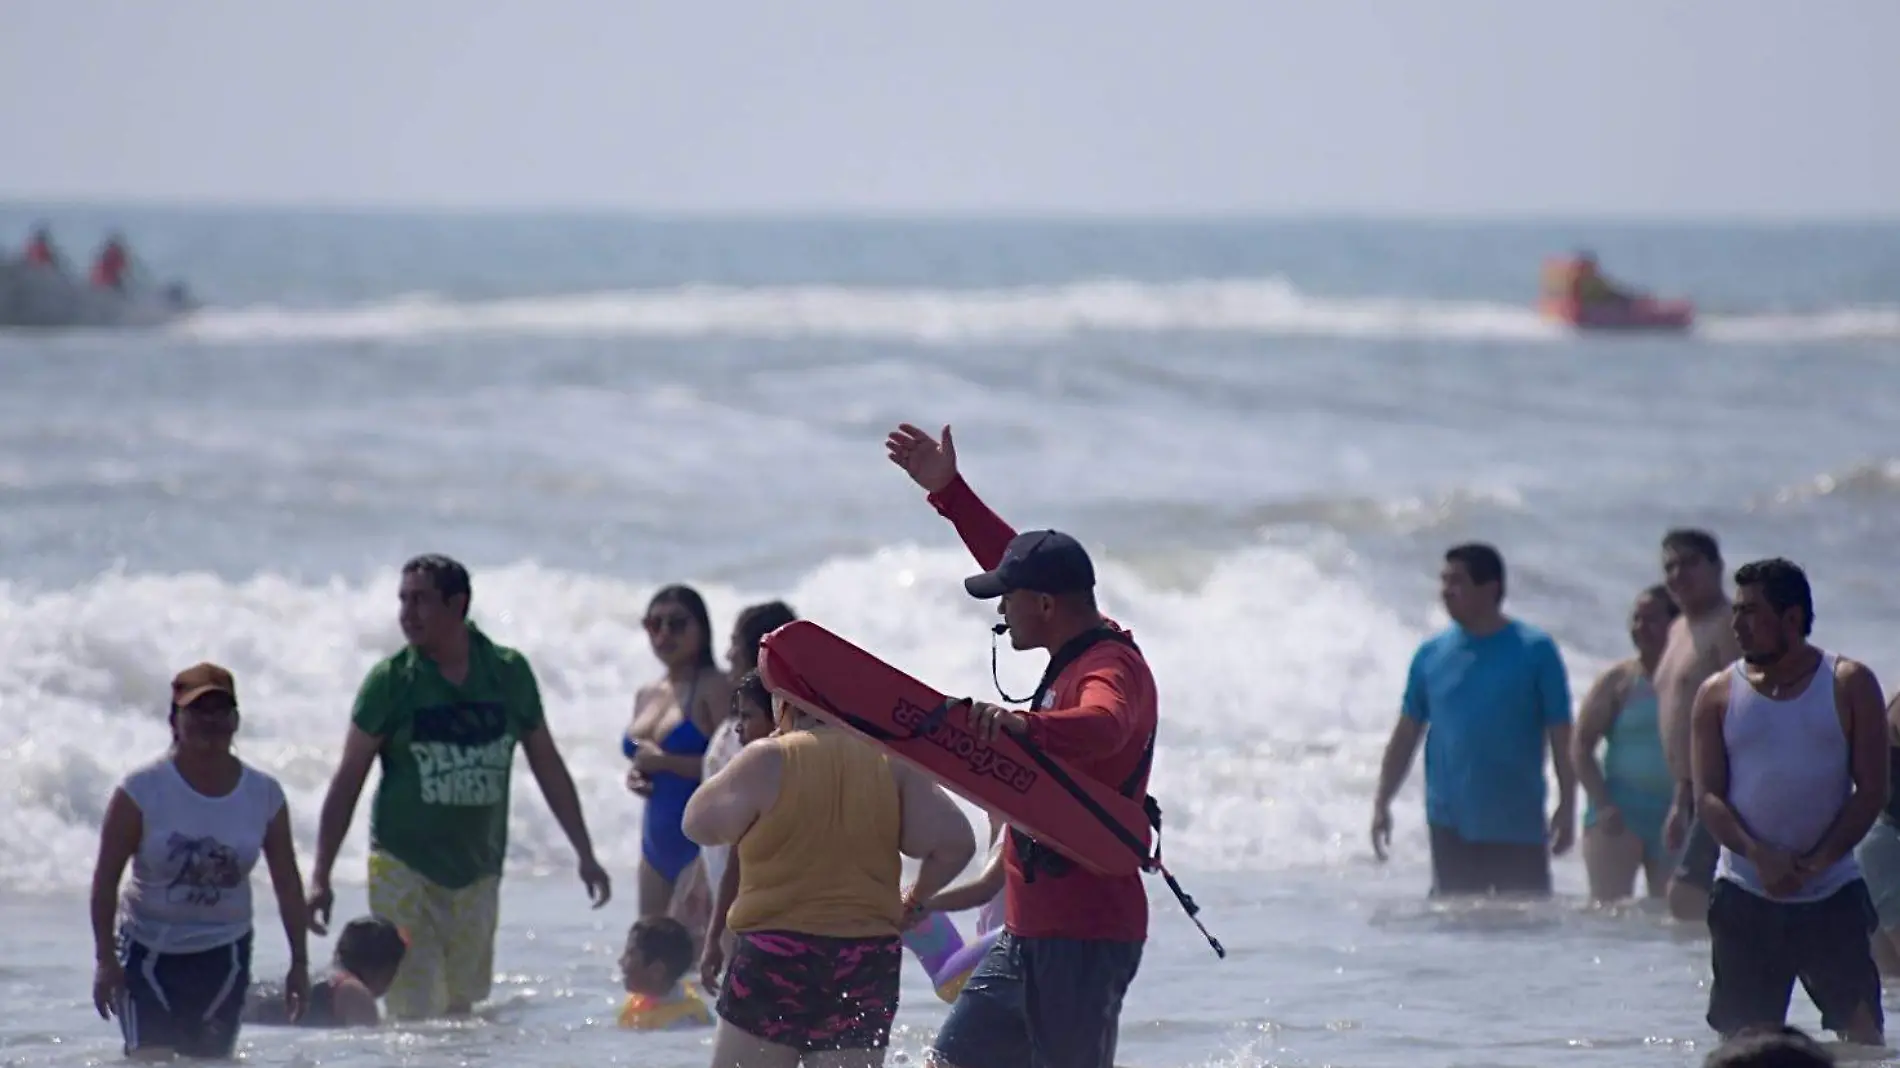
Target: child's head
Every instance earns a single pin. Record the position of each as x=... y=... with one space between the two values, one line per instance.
x=659 y=950
x=371 y=948
x=752 y=703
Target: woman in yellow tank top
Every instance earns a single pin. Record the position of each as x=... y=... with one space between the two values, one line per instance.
x=820 y=819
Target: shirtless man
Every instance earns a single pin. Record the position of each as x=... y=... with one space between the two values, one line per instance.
x=1701 y=643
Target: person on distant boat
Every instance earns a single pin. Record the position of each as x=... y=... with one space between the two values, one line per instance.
x=1631 y=791
x=40 y=251
x=1592 y=287
x=1486 y=695
x=110 y=269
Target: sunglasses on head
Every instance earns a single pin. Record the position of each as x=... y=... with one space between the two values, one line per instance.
x=671 y=624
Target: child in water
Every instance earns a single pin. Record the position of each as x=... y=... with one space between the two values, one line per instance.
x=652 y=970
x=369 y=949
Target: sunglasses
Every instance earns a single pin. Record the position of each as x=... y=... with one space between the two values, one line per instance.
x=670 y=624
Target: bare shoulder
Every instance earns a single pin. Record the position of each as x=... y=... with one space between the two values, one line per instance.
x=715 y=690
x=1852 y=676
x=1711 y=698
x=1714 y=639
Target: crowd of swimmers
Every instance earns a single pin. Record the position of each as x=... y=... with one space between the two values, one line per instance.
x=1731 y=763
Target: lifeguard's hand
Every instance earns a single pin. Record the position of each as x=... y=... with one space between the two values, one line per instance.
x=930 y=464
x=988 y=720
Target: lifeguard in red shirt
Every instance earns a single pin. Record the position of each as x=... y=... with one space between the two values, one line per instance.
x=1050 y=991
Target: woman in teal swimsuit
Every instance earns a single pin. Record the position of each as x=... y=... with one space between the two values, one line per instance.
x=1630 y=790
x=672 y=720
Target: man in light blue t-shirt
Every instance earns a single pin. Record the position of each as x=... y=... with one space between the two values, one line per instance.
x=1488 y=695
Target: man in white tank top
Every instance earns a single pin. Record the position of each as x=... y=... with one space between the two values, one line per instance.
x=1790 y=763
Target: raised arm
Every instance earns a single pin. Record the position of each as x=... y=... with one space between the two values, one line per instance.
x=932 y=464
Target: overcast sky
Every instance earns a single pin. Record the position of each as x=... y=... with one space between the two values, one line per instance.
x=1467 y=107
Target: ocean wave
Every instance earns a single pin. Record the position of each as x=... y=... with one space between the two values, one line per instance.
x=1269 y=307
x=1276 y=707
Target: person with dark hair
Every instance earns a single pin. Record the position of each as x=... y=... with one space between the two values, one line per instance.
x=1050 y=990
x=1630 y=791
x=653 y=972
x=742 y=659
x=369 y=950
x=1701 y=643
x=1790 y=771
x=443 y=716
x=673 y=721
x=192 y=825
x=1770 y=1047
x=752 y=713
x=749 y=629
x=1486 y=695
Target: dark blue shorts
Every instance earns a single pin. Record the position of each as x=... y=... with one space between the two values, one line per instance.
x=1041 y=1003
x=188 y=1003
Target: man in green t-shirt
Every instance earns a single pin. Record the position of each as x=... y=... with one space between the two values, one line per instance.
x=443 y=716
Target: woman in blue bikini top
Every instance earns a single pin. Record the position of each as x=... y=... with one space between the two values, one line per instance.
x=672 y=720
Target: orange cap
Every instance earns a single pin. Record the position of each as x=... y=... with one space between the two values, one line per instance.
x=200 y=679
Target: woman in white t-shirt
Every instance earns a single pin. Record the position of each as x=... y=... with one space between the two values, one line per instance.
x=174 y=954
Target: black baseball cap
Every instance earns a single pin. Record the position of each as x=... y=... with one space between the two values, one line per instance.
x=1040 y=561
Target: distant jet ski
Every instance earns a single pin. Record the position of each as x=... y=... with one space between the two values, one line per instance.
x=41 y=297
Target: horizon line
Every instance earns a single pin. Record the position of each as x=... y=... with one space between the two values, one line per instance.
x=26 y=203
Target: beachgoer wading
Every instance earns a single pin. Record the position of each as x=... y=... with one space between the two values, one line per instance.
x=820 y=819
x=1701 y=643
x=1630 y=790
x=1050 y=991
x=1488 y=695
x=192 y=825
x=443 y=716
x=1790 y=765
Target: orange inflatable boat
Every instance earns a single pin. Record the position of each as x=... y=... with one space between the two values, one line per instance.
x=1561 y=302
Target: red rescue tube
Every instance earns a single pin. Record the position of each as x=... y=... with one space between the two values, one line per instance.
x=828 y=677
